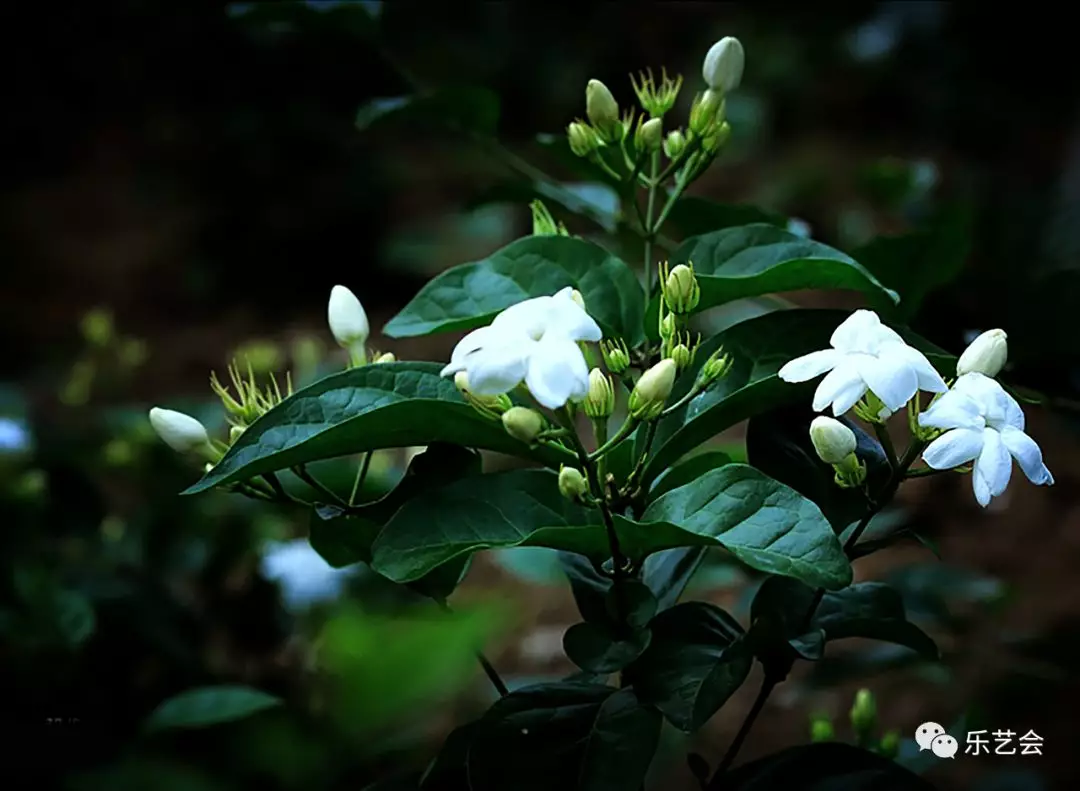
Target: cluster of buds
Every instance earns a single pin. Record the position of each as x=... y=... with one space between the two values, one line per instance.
x=864 y=722
x=616 y=356
x=251 y=401
x=682 y=348
x=835 y=444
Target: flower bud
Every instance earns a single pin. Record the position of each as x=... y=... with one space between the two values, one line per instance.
x=863 y=714
x=674 y=144
x=985 y=355
x=667 y=326
x=706 y=110
x=821 y=730
x=543 y=223
x=602 y=109
x=715 y=139
x=578 y=299
x=682 y=355
x=616 y=356
x=680 y=289
x=572 y=484
x=347 y=319
x=889 y=746
x=181 y=432
x=234 y=434
x=649 y=136
x=489 y=405
x=723 y=66
x=583 y=138
x=386 y=357
x=523 y=423
x=652 y=390
x=832 y=440
x=600 y=400
x=716 y=367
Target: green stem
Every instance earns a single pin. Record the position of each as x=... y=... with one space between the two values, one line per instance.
x=686 y=399
x=600 y=432
x=650 y=228
x=691 y=149
x=625 y=430
x=485 y=663
x=680 y=187
x=279 y=490
x=923 y=472
x=361 y=475
x=331 y=498
x=886 y=443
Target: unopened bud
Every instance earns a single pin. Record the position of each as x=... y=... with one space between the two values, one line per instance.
x=602 y=109
x=821 y=730
x=680 y=289
x=385 y=357
x=582 y=138
x=578 y=299
x=889 y=746
x=181 y=432
x=716 y=367
x=863 y=714
x=682 y=355
x=674 y=144
x=543 y=223
x=523 y=423
x=497 y=404
x=234 y=434
x=985 y=355
x=715 y=140
x=572 y=484
x=600 y=401
x=652 y=390
x=616 y=356
x=347 y=319
x=649 y=136
x=706 y=110
x=832 y=440
x=723 y=66
x=667 y=326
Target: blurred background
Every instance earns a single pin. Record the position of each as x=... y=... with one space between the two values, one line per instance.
x=184 y=185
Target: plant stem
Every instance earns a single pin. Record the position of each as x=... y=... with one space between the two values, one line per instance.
x=650 y=229
x=600 y=432
x=886 y=443
x=331 y=498
x=680 y=187
x=485 y=663
x=625 y=430
x=361 y=475
x=767 y=686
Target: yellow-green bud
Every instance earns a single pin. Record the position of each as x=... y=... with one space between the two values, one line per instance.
x=863 y=714
x=543 y=223
x=234 y=434
x=523 y=423
x=682 y=354
x=497 y=404
x=832 y=440
x=572 y=484
x=680 y=289
x=985 y=355
x=889 y=746
x=602 y=109
x=649 y=136
x=706 y=111
x=652 y=390
x=385 y=357
x=713 y=141
x=821 y=730
x=667 y=326
x=616 y=356
x=583 y=138
x=716 y=367
x=600 y=401
x=674 y=144
x=723 y=66
x=578 y=299
x=850 y=472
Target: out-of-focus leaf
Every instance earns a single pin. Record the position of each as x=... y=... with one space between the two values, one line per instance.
x=205 y=706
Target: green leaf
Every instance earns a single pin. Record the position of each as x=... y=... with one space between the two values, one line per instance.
x=600 y=649
x=198 y=708
x=687 y=471
x=387 y=405
x=695 y=216
x=765 y=524
x=759 y=347
x=752 y=260
x=564 y=735
x=470 y=295
x=668 y=573
x=867 y=609
x=472 y=108
x=695 y=662
x=826 y=766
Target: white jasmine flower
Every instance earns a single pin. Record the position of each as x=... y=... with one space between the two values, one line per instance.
x=983 y=424
x=535 y=341
x=304 y=577
x=179 y=431
x=347 y=319
x=865 y=355
x=724 y=63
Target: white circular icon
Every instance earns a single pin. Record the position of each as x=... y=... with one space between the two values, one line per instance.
x=926 y=734
x=944 y=746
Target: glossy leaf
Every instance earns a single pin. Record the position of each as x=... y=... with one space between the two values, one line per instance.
x=752 y=260
x=564 y=735
x=689 y=470
x=377 y=406
x=695 y=662
x=204 y=706
x=668 y=573
x=470 y=295
x=600 y=649
x=826 y=766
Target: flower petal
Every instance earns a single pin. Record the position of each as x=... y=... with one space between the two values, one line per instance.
x=953 y=448
x=890 y=378
x=805 y=368
x=530 y=318
x=475 y=340
x=994 y=464
x=568 y=319
x=929 y=379
x=1028 y=455
x=840 y=382
x=557 y=372
x=857 y=332
x=953 y=410
x=495 y=370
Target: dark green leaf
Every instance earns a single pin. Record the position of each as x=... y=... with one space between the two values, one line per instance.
x=468 y=107
x=470 y=295
x=377 y=406
x=564 y=735
x=448 y=772
x=198 y=708
x=752 y=260
x=689 y=470
x=694 y=216
x=668 y=573
x=826 y=766
x=759 y=347
x=765 y=524
x=636 y=599
x=696 y=660
x=588 y=585
x=600 y=649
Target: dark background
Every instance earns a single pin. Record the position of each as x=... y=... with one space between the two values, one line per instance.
x=197 y=173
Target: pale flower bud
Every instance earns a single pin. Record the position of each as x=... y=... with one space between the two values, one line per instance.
x=234 y=434
x=385 y=357
x=578 y=299
x=724 y=62
x=986 y=354
x=705 y=111
x=681 y=290
x=347 y=319
x=600 y=401
x=714 y=368
x=601 y=107
x=682 y=354
x=832 y=440
x=674 y=144
x=649 y=136
x=652 y=390
x=616 y=356
x=181 y=432
x=863 y=714
x=582 y=138
x=572 y=484
x=523 y=423
x=667 y=326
